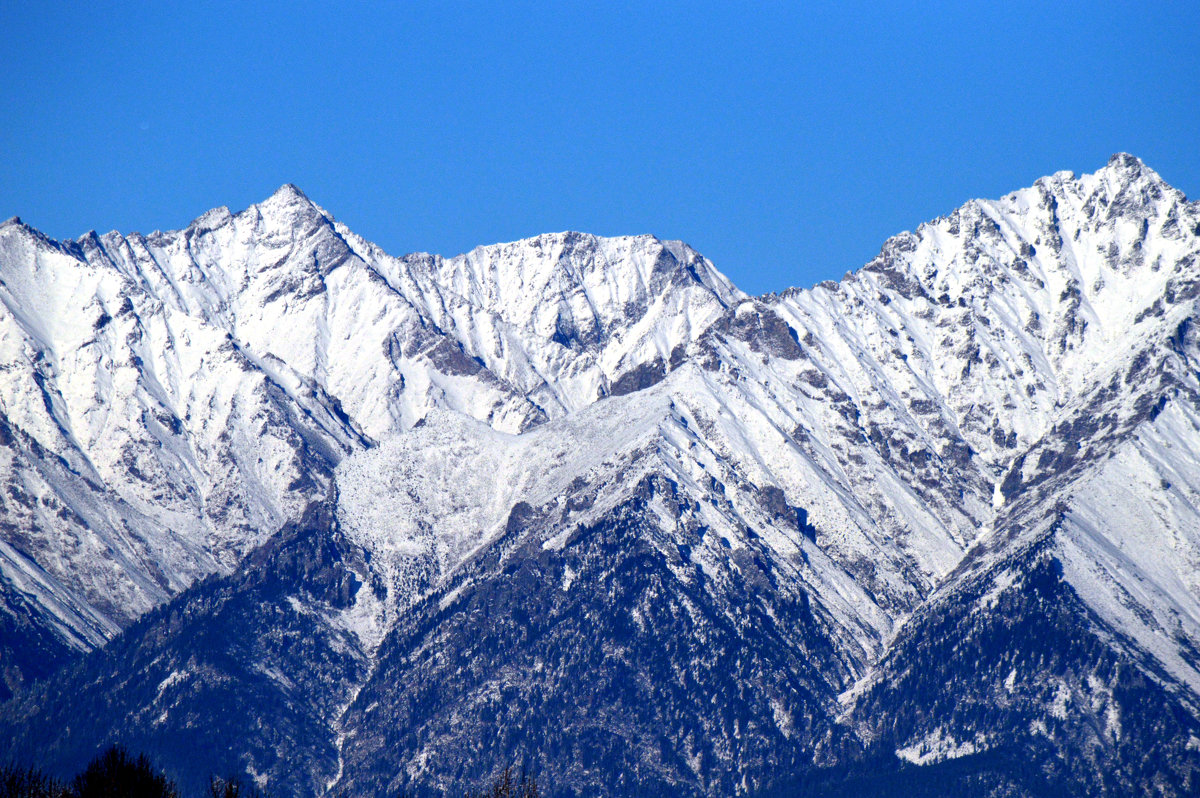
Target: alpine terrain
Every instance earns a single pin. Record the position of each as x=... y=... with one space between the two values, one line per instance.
x=277 y=502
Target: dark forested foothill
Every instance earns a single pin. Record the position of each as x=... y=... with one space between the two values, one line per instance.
x=113 y=774
x=116 y=773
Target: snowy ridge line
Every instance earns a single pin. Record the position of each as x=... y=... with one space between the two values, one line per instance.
x=185 y=386
x=204 y=385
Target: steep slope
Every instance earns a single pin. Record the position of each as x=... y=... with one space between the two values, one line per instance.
x=436 y=568
x=243 y=673
x=142 y=447
x=170 y=400
x=1071 y=638
x=1006 y=311
x=566 y=318
x=1053 y=364
x=942 y=510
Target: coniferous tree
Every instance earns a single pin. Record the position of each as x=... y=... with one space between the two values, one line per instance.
x=19 y=782
x=118 y=774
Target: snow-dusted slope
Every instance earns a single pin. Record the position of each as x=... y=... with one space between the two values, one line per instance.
x=172 y=399
x=144 y=446
x=1005 y=311
x=1048 y=330
x=566 y=318
x=996 y=415
x=907 y=410
x=427 y=501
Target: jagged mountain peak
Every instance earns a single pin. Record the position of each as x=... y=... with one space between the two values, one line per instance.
x=15 y=229
x=1007 y=311
x=288 y=211
x=289 y=197
x=564 y=317
x=212 y=219
x=1124 y=189
x=582 y=258
x=1127 y=168
x=602 y=449
x=1121 y=167
x=289 y=192
x=1098 y=248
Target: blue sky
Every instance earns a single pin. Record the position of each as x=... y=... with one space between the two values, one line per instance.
x=784 y=141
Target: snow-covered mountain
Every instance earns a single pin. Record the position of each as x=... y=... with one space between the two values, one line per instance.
x=580 y=504
x=170 y=400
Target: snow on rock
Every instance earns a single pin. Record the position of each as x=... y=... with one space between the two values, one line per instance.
x=168 y=400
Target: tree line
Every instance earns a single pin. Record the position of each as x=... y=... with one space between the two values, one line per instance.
x=116 y=773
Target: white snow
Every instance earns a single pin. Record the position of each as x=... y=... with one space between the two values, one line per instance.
x=940 y=746
x=177 y=397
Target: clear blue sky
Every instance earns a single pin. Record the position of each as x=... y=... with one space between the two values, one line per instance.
x=785 y=141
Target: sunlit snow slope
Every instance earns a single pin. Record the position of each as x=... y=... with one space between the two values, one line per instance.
x=827 y=497
x=168 y=401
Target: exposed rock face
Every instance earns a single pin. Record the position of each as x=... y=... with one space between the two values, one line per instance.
x=169 y=401
x=579 y=505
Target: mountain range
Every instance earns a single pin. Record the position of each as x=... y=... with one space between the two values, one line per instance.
x=277 y=502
